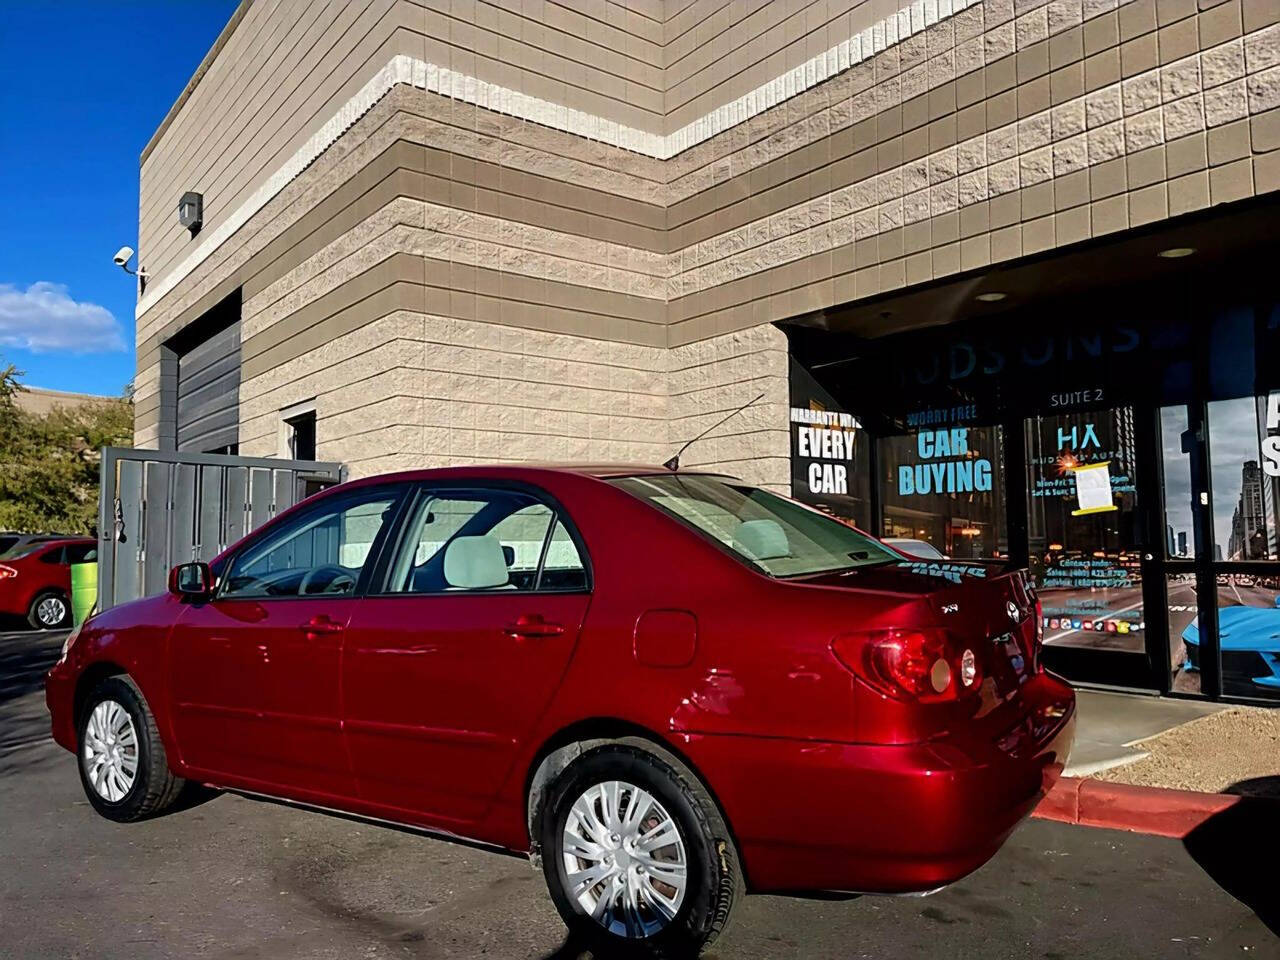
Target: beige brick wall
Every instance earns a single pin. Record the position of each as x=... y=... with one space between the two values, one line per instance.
x=412 y=390
x=454 y=279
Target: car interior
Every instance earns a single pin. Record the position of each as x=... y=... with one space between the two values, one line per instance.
x=463 y=541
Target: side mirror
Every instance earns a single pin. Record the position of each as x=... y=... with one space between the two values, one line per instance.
x=191 y=580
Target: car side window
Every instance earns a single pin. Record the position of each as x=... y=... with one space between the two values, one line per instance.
x=563 y=568
x=55 y=556
x=320 y=551
x=82 y=553
x=479 y=540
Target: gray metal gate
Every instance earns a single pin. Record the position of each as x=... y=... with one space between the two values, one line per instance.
x=160 y=508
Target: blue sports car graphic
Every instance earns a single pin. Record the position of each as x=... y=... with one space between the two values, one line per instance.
x=1250 y=640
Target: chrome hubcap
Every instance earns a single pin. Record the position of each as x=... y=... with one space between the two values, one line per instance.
x=50 y=611
x=110 y=751
x=624 y=859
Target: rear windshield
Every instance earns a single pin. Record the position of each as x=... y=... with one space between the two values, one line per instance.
x=778 y=536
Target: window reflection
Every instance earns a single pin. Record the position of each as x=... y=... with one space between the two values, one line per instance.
x=1082 y=512
x=1179 y=530
x=1244 y=495
x=945 y=486
x=1182 y=618
x=1249 y=633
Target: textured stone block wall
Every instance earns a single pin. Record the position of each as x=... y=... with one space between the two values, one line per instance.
x=559 y=295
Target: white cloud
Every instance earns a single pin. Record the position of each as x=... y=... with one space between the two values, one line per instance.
x=44 y=318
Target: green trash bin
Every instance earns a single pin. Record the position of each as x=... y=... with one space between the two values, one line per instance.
x=84 y=590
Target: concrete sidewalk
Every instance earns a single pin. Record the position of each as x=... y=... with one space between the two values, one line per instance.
x=1109 y=724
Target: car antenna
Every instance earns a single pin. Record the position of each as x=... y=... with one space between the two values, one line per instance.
x=674 y=463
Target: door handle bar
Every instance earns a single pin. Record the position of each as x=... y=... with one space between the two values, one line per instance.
x=532 y=627
x=320 y=627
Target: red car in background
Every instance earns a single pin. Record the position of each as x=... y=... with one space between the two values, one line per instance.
x=35 y=581
x=668 y=688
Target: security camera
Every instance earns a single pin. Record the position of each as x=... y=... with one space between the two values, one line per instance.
x=123 y=256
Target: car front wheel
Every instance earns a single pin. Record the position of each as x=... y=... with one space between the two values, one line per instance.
x=123 y=766
x=636 y=854
x=48 y=611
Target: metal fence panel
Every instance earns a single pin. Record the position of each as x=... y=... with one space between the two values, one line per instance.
x=161 y=508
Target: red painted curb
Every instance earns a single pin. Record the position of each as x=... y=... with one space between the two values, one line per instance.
x=1120 y=806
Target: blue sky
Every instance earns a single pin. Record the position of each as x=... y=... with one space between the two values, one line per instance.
x=82 y=88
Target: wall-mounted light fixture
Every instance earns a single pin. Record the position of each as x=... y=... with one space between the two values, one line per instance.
x=191 y=211
x=994 y=296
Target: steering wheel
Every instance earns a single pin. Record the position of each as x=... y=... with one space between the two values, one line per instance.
x=342 y=580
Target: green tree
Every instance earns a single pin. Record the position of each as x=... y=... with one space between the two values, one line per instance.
x=49 y=462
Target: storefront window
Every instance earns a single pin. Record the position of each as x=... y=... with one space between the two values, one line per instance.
x=1245 y=454
x=1179 y=529
x=1082 y=521
x=1249 y=635
x=945 y=486
x=1183 y=636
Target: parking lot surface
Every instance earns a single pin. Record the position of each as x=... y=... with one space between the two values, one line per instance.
x=238 y=878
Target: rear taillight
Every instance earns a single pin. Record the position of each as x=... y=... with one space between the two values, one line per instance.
x=919 y=665
x=7 y=572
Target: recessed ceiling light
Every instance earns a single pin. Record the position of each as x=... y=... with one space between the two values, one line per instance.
x=992 y=297
x=1176 y=253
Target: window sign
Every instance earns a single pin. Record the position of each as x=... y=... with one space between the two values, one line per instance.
x=1082 y=520
x=829 y=452
x=941 y=484
x=1093 y=488
x=946 y=465
x=1271 y=437
x=825 y=441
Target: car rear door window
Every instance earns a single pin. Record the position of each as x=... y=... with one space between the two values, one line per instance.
x=55 y=556
x=485 y=540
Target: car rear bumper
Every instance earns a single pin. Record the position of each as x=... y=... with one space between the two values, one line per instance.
x=59 y=696
x=811 y=816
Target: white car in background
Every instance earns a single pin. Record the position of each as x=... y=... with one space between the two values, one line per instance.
x=916 y=548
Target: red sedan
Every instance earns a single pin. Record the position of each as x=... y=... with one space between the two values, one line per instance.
x=668 y=688
x=35 y=582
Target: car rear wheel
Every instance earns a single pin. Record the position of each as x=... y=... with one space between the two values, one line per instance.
x=48 y=611
x=122 y=761
x=636 y=854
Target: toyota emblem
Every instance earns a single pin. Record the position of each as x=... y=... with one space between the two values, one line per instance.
x=1012 y=609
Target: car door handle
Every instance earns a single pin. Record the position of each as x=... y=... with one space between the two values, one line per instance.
x=532 y=626
x=318 y=627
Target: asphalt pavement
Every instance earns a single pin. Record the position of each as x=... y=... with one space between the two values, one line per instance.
x=237 y=878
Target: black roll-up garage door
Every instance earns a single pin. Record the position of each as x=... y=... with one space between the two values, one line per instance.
x=208 y=419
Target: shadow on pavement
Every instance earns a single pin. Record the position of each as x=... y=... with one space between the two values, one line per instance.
x=24 y=660
x=24 y=723
x=1240 y=847
x=577 y=948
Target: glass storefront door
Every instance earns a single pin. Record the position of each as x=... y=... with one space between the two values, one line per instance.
x=1083 y=528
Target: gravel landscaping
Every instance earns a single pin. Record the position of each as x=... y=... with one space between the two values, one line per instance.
x=1236 y=750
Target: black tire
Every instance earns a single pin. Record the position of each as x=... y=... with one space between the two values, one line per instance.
x=714 y=878
x=154 y=787
x=34 y=612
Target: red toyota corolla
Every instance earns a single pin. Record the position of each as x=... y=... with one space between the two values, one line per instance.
x=670 y=688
